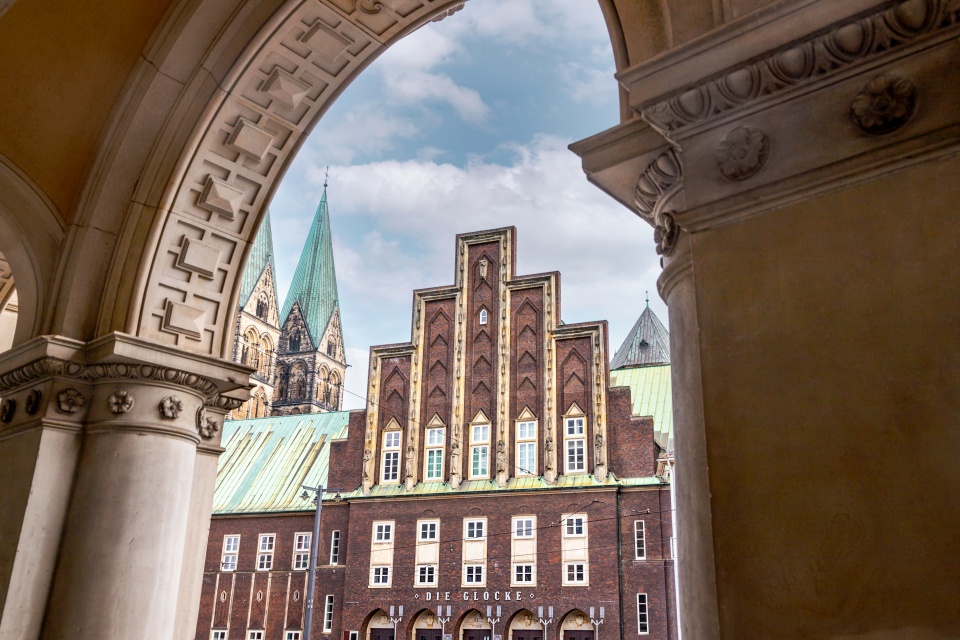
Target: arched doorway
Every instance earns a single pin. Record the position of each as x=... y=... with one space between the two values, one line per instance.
x=379 y=626
x=426 y=626
x=524 y=626
x=576 y=625
x=474 y=626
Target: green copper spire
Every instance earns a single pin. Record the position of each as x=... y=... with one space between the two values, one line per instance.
x=261 y=256
x=314 y=285
x=648 y=343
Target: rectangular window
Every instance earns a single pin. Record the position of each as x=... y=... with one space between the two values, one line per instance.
x=474 y=574
x=639 y=540
x=475 y=529
x=335 y=547
x=526 y=431
x=523 y=527
x=218 y=634
x=384 y=532
x=428 y=530
x=435 y=437
x=434 y=464
x=480 y=433
x=576 y=574
x=427 y=574
x=292 y=635
x=523 y=574
x=576 y=461
x=390 y=469
x=328 y=615
x=643 y=619
x=381 y=575
x=480 y=451
x=254 y=635
x=231 y=547
x=574 y=526
x=301 y=551
x=574 y=426
x=526 y=458
x=265 y=552
x=354 y=635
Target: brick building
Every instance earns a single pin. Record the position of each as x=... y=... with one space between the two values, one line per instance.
x=297 y=350
x=496 y=474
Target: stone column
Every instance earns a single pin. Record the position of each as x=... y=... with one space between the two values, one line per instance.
x=125 y=435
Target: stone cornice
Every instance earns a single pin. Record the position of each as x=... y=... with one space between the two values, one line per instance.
x=845 y=44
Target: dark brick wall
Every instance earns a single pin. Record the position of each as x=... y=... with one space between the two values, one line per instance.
x=346 y=456
x=633 y=453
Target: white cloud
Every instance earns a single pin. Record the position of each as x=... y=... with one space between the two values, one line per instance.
x=413 y=87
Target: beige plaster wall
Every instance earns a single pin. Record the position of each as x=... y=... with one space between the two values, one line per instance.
x=830 y=334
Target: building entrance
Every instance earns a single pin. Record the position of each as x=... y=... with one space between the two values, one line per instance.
x=476 y=634
x=381 y=634
x=529 y=634
x=428 y=634
x=577 y=635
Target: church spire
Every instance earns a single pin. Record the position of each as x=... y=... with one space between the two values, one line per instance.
x=648 y=343
x=261 y=257
x=314 y=286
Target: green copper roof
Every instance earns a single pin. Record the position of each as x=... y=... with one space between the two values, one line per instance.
x=651 y=395
x=314 y=283
x=648 y=343
x=261 y=256
x=268 y=459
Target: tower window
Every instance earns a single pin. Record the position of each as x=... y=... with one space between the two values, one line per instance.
x=483 y=316
x=480 y=451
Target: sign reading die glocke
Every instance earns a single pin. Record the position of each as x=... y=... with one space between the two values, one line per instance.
x=495 y=485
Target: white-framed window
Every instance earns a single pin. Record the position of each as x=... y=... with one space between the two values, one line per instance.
x=231 y=547
x=483 y=316
x=480 y=451
x=390 y=468
x=524 y=574
x=433 y=461
x=382 y=531
x=574 y=433
x=301 y=551
x=476 y=529
x=381 y=576
x=428 y=530
x=575 y=527
x=643 y=617
x=427 y=574
x=328 y=615
x=473 y=574
x=576 y=573
x=255 y=635
x=335 y=547
x=527 y=448
x=292 y=635
x=639 y=540
x=354 y=635
x=218 y=634
x=265 y=552
x=523 y=527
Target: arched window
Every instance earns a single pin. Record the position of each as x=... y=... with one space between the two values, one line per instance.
x=334 y=390
x=283 y=382
x=266 y=356
x=330 y=347
x=293 y=342
x=483 y=316
x=262 y=306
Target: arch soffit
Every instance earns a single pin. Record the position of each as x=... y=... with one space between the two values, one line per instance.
x=31 y=235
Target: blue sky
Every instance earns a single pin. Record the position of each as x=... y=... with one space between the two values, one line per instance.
x=463 y=126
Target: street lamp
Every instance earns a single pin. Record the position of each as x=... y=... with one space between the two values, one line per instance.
x=443 y=621
x=493 y=621
x=545 y=621
x=596 y=622
x=396 y=619
x=314 y=550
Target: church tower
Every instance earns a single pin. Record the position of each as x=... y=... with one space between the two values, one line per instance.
x=258 y=324
x=310 y=357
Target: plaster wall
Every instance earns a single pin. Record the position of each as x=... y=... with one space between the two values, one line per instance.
x=831 y=390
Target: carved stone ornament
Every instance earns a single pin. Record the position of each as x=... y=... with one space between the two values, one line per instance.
x=742 y=153
x=369 y=7
x=32 y=404
x=120 y=401
x=885 y=104
x=661 y=181
x=70 y=401
x=171 y=407
x=7 y=410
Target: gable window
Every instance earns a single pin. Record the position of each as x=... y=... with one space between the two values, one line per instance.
x=434 y=457
x=301 y=551
x=255 y=635
x=335 y=547
x=527 y=448
x=480 y=451
x=262 y=307
x=483 y=316
x=292 y=635
x=231 y=547
x=643 y=618
x=390 y=469
x=639 y=540
x=218 y=634
x=265 y=552
x=574 y=444
x=294 y=342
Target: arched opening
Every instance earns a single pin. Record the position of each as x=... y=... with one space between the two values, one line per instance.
x=377 y=626
x=9 y=306
x=473 y=625
x=335 y=387
x=298 y=382
x=323 y=386
x=265 y=364
x=524 y=626
x=576 y=625
x=426 y=626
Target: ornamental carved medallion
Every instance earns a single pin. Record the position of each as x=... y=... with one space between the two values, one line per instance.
x=70 y=401
x=884 y=105
x=207 y=427
x=742 y=153
x=171 y=407
x=120 y=401
x=7 y=410
x=32 y=404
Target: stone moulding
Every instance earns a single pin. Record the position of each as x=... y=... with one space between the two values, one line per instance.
x=845 y=45
x=659 y=184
